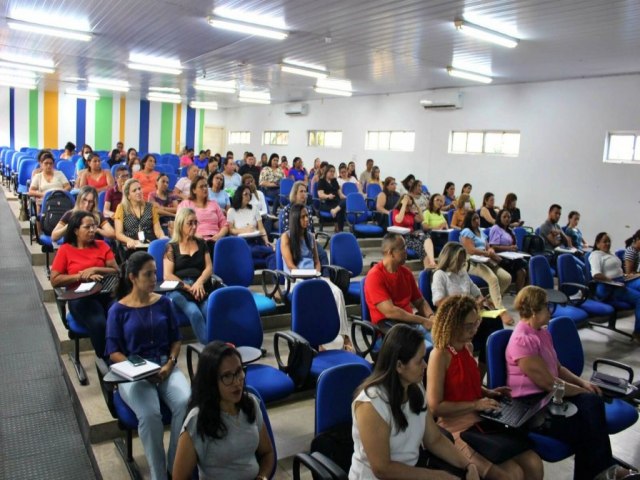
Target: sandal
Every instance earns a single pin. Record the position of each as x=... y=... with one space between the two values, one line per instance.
x=348 y=346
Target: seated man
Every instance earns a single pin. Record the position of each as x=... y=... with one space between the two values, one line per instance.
x=551 y=232
x=392 y=292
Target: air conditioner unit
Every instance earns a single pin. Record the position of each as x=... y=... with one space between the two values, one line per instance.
x=442 y=102
x=296 y=109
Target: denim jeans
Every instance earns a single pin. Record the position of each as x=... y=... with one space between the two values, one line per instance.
x=92 y=313
x=627 y=294
x=196 y=312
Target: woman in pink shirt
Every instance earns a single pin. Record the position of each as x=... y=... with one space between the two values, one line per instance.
x=533 y=368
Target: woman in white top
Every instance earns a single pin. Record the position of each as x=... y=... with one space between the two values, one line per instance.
x=607 y=267
x=47 y=179
x=245 y=220
x=257 y=197
x=390 y=417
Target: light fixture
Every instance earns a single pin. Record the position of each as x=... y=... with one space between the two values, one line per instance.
x=31 y=68
x=88 y=94
x=23 y=74
x=204 y=105
x=475 y=77
x=108 y=84
x=215 y=86
x=254 y=97
x=10 y=80
x=164 y=89
x=299 y=69
x=333 y=86
x=26 y=60
x=246 y=23
x=164 y=97
x=67 y=33
x=154 y=64
x=486 y=34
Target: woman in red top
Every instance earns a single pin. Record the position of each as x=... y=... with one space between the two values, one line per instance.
x=147 y=176
x=82 y=258
x=95 y=176
x=404 y=215
x=455 y=393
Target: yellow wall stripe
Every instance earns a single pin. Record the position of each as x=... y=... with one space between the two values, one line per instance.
x=50 y=115
x=123 y=104
x=178 y=127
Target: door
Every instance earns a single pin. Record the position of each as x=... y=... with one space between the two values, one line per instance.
x=213 y=139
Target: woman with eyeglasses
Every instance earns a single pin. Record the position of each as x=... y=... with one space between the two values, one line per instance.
x=456 y=396
x=217 y=193
x=87 y=201
x=187 y=259
x=212 y=224
x=47 y=179
x=82 y=258
x=143 y=323
x=224 y=433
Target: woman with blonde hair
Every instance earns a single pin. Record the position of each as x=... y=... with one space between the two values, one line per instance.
x=87 y=201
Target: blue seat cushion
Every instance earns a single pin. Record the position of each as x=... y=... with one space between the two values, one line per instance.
x=596 y=309
x=354 y=288
x=271 y=383
x=46 y=240
x=265 y=304
x=331 y=358
x=620 y=415
x=577 y=315
x=367 y=229
x=480 y=283
x=549 y=449
x=128 y=418
x=620 y=304
x=75 y=327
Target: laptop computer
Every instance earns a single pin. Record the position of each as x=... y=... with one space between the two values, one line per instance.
x=516 y=412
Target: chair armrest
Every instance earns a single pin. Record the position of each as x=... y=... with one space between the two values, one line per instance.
x=314 y=466
x=273 y=277
x=324 y=236
x=333 y=270
x=193 y=348
x=582 y=289
x=300 y=356
x=336 y=472
x=613 y=363
x=291 y=338
x=107 y=388
x=217 y=281
x=369 y=333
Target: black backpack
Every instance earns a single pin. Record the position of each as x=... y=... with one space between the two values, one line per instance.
x=58 y=203
x=533 y=244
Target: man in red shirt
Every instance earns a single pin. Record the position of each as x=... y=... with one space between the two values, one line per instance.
x=392 y=292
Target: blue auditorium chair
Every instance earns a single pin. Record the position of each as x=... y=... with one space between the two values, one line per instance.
x=348 y=188
x=345 y=252
x=359 y=216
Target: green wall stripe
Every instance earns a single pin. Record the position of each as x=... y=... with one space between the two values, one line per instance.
x=201 y=129
x=33 y=119
x=166 y=128
x=104 y=126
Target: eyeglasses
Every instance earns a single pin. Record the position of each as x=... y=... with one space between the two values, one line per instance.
x=229 y=378
x=123 y=177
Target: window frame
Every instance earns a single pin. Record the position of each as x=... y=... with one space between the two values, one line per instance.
x=274 y=134
x=388 y=135
x=635 y=153
x=483 y=151
x=323 y=133
x=240 y=133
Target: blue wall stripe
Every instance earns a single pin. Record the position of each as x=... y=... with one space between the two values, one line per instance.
x=81 y=122
x=12 y=117
x=191 y=127
x=144 y=126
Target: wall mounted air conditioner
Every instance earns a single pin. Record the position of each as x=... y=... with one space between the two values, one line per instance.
x=296 y=109
x=440 y=102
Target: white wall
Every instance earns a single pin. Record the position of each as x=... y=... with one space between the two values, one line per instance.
x=563 y=127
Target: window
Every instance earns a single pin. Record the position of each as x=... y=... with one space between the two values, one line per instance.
x=399 y=140
x=623 y=147
x=324 y=138
x=485 y=142
x=275 y=137
x=239 y=138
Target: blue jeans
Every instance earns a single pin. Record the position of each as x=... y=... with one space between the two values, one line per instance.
x=196 y=312
x=428 y=341
x=143 y=397
x=92 y=313
x=626 y=294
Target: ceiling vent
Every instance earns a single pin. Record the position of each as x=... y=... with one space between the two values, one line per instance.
x=443 y=102
x=296 y=109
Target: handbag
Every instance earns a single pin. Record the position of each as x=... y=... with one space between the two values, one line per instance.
x=495 y=442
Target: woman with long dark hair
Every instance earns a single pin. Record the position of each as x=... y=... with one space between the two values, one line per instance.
x=386 y=200
x=224 y=433
x=147 y=176
x=502 y=239
x=574 y=233
x=632 y=254
x=488 y=213
x=390 y=416
x=449 y=194
x=510 y=203
x=333 y=200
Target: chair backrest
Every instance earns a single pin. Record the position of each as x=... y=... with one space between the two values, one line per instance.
x=101 y=196
x=349 y=188
x=620 y=255
x=279 y=259
x=567 y=344
x=69 y=169
x=232 y=316
x=232 y=261
x=286 y=184
x=520 y=233
x=540 y=272
x=373 y=190
x=267 y=423
x=424 y=283
x=156 y=250
x=26 y=169
x=356 y=203
x=450 y=216
x=345 y=252
x=364 y=308
x=334 y=394
x=173 y=179
x=570 y=270
x=314 y=313
x=496 y=361
x=454 y=235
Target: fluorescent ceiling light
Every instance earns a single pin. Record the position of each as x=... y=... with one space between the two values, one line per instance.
x=26 y=60
x=108 y=84
x=31 y=68
x=150 y=63
x=88 y=94
x=476 y=77
x=164 y=97
x=304 y=71
x=215 y=86
x=66 y=33
x=486 y=34
x=154 y=68
x=254 y=97
x=248 y=28
x=17 y=84
x=164 y=89
x=23 y=74
x=332 y=91
x=251 y=17
x=204 y=105
x=333 y=86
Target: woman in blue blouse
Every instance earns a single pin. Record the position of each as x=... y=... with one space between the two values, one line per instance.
x=487 y=262
x=143 y=323
x=298 y=173
x=574 y=233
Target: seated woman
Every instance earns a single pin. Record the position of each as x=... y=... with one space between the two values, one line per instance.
x=95 y=176
x=466 y=189
x=607 y=267
x=455 y=393
x=137 y=222
x=133 y=163
x=421 y=200
x=502 y=239
x=632 y=254
x=270 y=177
x=332 y=198
x=533 y=368
x=212 y=224
x=573 y=232
x=463 y=205
x=404 y=215
x=257 y=197
x=391 y=421
x=449 y=194
x=113 y=196
x=183 y=184
x=488 y=214
x=432 y=218
x=147 y=176
x=510 y=204
x=187 y=260
x=475 y=242
x=85 y=155
x=224 y=433
x=69 y=151
x=217 y=193
x=166 y=203
x=115 y=157
x=451 y=278
x=375 y=176
x=299 y=250
x=85 y=201
x=48 y=179
x=143 y=323
x=344 y=177
x=298 y=172
x=406 y=184
x=244 y=219
x=82 y=258
x=386 y=200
